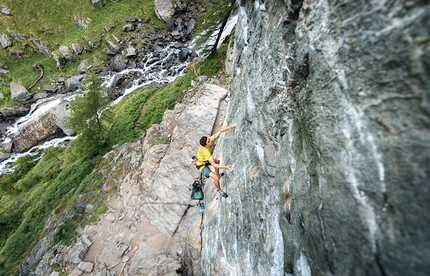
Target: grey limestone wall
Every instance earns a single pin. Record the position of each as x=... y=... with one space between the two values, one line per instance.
x=332 y=148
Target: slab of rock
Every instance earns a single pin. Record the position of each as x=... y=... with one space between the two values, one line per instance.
x=197 y=120
x=86 y=266
x=51 y=124
x=114 y=48
x=19 y=92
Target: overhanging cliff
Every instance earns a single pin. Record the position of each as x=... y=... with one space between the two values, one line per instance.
x=331 y=153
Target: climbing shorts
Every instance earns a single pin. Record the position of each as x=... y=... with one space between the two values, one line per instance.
x=206 y=171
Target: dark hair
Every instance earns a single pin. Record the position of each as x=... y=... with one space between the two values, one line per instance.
x=203 y=141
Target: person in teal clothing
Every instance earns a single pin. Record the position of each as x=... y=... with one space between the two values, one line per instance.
x=204 y=159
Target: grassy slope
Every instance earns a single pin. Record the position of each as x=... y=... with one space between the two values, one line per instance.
x=60 y=181
x=54 y=24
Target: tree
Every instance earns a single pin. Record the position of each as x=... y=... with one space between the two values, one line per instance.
x=89 y=118
x=212 y=23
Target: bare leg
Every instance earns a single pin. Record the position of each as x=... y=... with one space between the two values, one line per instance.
x=215 y=177
x=217 y=170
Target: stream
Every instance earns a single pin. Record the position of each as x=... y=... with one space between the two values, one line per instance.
x=160 y=68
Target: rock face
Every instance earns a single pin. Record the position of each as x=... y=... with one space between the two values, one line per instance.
x=331 y=152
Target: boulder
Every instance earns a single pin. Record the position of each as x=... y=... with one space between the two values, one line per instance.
x=164 y=9
x=73 y=83
x=18 y=92
x=5 y=43
x=83 y=66
x=4 y=156
x=129 y=27
x=131 y=52
x=35 y=132
x=77 y=48
x=183 y=54
x=50 y=124
x=113 y=47
x=83 y=23
x=67 y=54
x=118 y=64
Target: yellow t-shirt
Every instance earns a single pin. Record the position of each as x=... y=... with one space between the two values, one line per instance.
x=204 y=154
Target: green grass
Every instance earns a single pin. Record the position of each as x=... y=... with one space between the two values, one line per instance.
x=53 y=23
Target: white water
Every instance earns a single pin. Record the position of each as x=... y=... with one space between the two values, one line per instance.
x=146 y=77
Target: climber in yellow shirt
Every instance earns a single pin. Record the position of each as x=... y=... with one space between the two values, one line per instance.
x=204 y=159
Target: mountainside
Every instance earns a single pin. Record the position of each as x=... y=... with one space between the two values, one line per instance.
x=331 y=152
x=331 y=156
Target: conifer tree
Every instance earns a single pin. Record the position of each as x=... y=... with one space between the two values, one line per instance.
x=89 y=118
x=211 y=24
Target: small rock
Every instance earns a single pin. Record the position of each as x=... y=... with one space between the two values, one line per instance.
x=76 y=272
x=89 y=208
x=6 y=11
x=5 y=43
x=98 y=3
x=38 y=96
x=129 y=28
x=49 y=88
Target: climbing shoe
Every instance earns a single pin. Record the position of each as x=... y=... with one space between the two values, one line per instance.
x=223 y=194
x=221 y=175
x=202 y=208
